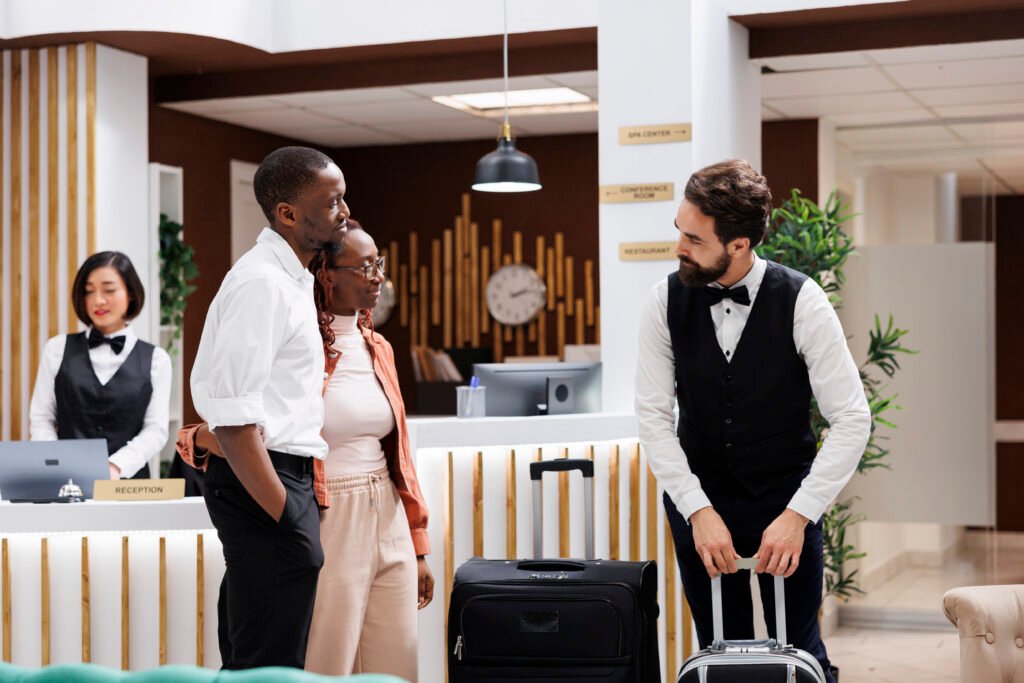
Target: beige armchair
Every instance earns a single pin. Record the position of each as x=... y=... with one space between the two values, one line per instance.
x=990 y=620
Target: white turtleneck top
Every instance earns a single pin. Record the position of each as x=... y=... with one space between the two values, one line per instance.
x=357 y=414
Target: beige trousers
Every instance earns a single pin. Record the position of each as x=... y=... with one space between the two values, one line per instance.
x=364 y=620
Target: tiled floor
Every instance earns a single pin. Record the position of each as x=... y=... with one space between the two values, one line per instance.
x=895 y=656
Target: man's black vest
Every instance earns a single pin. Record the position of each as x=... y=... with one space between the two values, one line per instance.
x=114 y=411
x=744 y=423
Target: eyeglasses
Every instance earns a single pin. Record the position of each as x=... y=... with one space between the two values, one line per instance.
x=368 y=271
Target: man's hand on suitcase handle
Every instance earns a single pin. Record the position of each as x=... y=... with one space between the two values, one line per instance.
x=713 y=542
x=781 y=543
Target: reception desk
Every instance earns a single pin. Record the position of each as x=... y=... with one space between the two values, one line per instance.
x=134 y=585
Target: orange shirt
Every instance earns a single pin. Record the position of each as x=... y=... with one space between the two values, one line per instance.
x=396 y=444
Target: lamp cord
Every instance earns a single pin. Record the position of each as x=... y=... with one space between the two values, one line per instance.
x=504 y=6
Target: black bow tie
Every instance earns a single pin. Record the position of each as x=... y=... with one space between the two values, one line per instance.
x=96 y=338
x=737 y=294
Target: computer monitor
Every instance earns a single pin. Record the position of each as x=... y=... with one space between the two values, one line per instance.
x=540 y=388
x=35 y=470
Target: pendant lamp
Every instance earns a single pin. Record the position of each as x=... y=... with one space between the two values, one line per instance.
x=506 y=169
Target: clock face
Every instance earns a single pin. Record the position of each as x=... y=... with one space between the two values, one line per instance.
x=515 y=294
x=385 y=304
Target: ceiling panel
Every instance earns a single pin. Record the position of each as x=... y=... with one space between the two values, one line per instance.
x=327 y=98
x=834 y=60
x=981 y=110
x=943 y=53
x=556 y=124
x=871 y=118
x=431 y=131
x=826 y=82
x=990 y=131
x=353 y=136
x=575 y=79
x=285 y=119
x=985 y=94
x=903 y=146
x=376 y=113
x=854 y=137
x=841 y=104
x=952 y=74
x=485 y=85
x=225 y=105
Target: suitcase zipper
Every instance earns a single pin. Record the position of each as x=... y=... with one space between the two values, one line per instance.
x=458 y=648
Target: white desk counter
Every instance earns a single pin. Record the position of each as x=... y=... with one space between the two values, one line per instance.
x=188 y=514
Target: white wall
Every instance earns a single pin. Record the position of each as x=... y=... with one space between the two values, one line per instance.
x=828 y=160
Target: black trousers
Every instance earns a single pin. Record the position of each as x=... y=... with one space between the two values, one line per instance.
x=746 y=520
x=266 y=597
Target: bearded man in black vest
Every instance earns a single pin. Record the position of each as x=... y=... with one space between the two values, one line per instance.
x=743 y=345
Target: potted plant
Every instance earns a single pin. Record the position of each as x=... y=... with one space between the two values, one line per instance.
x=810 y=239
x=177 y=270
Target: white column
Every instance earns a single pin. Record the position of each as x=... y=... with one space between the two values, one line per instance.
x=660 y=63
x=947 y=209
x=827 y=160
x=122 y=173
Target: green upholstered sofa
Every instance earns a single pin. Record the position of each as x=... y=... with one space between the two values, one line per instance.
x=91 y=673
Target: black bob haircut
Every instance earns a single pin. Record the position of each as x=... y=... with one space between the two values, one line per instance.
x=123 y=265
x=285 y=173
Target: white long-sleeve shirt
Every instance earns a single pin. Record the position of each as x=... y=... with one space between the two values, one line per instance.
x=834 y=377
x=261 y=359
x=134 y=455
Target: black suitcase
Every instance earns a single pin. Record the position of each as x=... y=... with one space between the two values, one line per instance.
x=557 y=621
x=750 y=661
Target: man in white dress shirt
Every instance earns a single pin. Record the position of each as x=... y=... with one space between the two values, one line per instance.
x=258 y=381
x=743 y=345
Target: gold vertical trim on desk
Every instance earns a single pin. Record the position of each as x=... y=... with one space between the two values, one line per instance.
x=163 y=601
x=613 y=503
x=125 y=623
x=563 y=509
x=33 y=216
x=446 y=301
x=44 y=601
x=86 y=604
x=652 y=515
x=511 y=540
x=478 y=505
x=6 y=598
x=52 y=190
x=671 y=645
x=200 y=599
x=71 y=99
x=414 y=257
x=90 y=146
x=634 y=502
x=17 y=265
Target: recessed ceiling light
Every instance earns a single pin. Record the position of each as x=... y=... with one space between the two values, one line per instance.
x=536 y=101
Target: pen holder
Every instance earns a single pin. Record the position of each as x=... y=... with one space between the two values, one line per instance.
x=470 y=401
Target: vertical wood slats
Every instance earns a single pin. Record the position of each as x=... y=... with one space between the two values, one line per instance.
x=435 y=284
x=563 y=509
x=86 y=604
x=511 y=545
x=634 y=503
x=485 y=274
x=446 y=301
x=475 y=288
x=163 y=601
x=549 y=270
x=72 y=175
x=17 y=267
x=403 y=295
x=33 y=216
x=52 y=188
x=424 y=327
x=44 y=601
x=652 y=515
x=200 y=599
x=495 y=244
x=687 y=629
x=458 y=290
x=570 y=285
x=671 y=670
x=125 y=623
x=613 y=503
x=5 y=597
x=90 y=146
x=414 y=258
x=478 y=505
x=580 y=333
x=560 y=264
x=588 y=290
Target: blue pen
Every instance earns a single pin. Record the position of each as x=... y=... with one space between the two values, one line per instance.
x=474 y=382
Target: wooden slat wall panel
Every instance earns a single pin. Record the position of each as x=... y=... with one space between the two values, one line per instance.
x=5 y=597
x=478 y=505
x=71 y=97
x=563 y=509
x=90 y=146
x=634 y=503
x=17 y=265
x=86 y=604
x=613 y=503
x=414 y=258
x=44 y=601
x=52 y=190
x=33 y=216
x=510 y=505
x=200 y=598
x=163 y=601
x=125 y=620
x=446 y=304
x=671 y=644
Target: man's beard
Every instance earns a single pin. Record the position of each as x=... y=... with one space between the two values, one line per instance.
x=693 y=275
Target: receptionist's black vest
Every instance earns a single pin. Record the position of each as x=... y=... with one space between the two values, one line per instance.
x=744 y=423
x=87 y=409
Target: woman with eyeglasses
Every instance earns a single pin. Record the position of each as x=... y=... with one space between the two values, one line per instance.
x=373 y=525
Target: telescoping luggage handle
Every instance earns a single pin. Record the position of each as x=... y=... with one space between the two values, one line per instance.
x=586 y=468
x=716 y=604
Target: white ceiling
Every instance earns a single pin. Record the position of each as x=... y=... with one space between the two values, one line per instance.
x=394 y=115
x=915 y=110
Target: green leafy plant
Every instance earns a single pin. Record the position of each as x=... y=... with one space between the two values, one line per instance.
x=810 y=239
x=177 y=270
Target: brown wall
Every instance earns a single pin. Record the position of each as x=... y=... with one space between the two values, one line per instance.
x=204 y=149
x=1009 y=327
x=789 y=157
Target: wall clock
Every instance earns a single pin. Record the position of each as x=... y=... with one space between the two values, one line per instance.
x=515 y=294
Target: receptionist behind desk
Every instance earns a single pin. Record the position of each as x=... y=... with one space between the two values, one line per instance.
x=105 y=383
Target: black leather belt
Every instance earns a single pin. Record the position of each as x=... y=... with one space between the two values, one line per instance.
x=295 y=464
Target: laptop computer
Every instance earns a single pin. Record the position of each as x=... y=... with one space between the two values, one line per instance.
x=34 y=471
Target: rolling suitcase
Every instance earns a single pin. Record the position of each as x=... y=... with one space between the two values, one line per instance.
x=750 y=661
x=554 y=620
